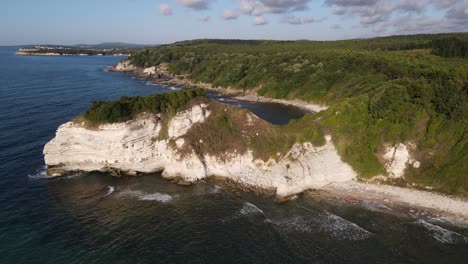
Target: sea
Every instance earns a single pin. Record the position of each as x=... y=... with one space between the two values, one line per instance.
x=98 y=218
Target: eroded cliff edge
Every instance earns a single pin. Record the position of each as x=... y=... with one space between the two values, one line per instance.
x=203 y=139
x=148 y=143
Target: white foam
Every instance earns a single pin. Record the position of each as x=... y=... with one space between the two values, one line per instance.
x=130 y=193
x=110 y=190
x=458 y=222
x=175 y=88
x=217 y=189
x=142 y=196
x=42 y=174
x=39 y=174
x=246 y=210
x=294 y=224
x=341 y=228
x=250 y=208
x=441 y=234
x=333 y=225
x=160 y=197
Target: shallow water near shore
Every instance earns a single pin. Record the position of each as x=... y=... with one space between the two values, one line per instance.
x=97 y=218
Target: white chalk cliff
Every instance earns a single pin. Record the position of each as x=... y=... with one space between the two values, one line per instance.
x=132 y=147
x=125 y=66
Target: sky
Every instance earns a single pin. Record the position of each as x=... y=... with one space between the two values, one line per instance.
x=158 y=22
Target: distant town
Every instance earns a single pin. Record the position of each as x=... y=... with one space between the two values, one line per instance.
x=86 y=50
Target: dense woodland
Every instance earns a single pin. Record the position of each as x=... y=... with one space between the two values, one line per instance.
x=128 y=107
x=450 y=47
x=380 y=92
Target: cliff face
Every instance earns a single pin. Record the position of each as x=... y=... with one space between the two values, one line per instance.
x=124 y=66
x=133 y=147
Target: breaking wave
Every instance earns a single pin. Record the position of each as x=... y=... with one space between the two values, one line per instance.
x=160 y=197
x=333 y=225
x=142 y=196
x=341 y=228
x=441 y=234
x=249 y=209
x=110 y=190
x=39 y=174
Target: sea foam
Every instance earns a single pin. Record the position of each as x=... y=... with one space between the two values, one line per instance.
x=441 y=234
x=142 y=196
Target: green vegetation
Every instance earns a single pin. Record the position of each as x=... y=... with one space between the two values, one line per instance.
x=127 y=107
x=380 y=92
x=450 y=47
x=230 y=130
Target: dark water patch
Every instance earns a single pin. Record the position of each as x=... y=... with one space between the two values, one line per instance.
x=274 y=113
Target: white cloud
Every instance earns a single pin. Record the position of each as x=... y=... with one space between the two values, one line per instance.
x=231 y=13
x=258 y=8
x=293 y=20
x=400 y=15
x=260 y=20
x=165 y=9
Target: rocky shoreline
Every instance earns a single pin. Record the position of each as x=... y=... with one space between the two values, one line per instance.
x=131 y=148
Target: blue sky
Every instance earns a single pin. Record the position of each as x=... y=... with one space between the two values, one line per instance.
x=154 y=21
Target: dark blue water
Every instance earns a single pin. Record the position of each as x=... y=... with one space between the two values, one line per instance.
x=96 y=218
x=277 y=114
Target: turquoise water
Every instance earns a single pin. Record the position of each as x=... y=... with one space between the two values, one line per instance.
x=96 y=218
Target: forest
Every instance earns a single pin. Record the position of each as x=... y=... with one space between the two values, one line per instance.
x=128 y=107
x=380 y=92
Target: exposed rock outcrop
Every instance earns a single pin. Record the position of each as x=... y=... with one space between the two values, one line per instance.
x=397 y=158
x=150 y=70
x=182 y=122
x=125 y=66
x=132 y=147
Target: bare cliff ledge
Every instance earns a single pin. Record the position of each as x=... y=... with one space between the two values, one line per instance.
x=191 y=145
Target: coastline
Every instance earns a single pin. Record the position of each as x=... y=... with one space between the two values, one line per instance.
x=414 y=202
x=429 y=202
x=160 y=75
x=425 y=202
x=409 y=202
x=22 y=53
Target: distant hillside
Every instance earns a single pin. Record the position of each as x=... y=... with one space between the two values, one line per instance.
x=113 y=45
